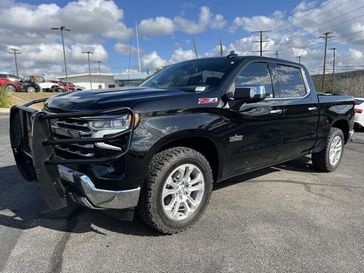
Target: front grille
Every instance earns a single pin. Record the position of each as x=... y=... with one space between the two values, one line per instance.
x=71 y=129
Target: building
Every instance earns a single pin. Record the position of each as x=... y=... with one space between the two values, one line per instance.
x=130 y=79
x=104 y=80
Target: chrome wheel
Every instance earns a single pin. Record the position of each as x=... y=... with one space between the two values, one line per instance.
x=335 y=150
x=31 y=89
x=10 y=88
x=183 y=192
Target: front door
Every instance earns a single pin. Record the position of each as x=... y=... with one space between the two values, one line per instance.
x=254 y=135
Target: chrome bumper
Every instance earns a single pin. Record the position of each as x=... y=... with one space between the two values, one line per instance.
x=99 y=198
x=351 y=133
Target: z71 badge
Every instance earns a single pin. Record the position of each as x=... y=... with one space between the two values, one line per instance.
x=208 y=100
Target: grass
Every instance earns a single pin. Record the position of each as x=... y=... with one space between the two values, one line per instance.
x=5 y=100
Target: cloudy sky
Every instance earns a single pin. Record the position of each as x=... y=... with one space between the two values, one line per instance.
x=166 y=30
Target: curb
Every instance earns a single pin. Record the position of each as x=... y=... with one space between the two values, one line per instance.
x=4 y=110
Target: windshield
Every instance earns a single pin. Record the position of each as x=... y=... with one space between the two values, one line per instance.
x=196 y=75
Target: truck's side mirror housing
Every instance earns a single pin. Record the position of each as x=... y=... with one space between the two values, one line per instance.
x=250 y=93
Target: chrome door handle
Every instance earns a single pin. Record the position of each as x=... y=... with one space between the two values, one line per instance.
x=312 y=108
x=277 y=111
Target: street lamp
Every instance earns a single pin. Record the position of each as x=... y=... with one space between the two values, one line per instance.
x=63 y=28
x=89 y=65
x=98 y=65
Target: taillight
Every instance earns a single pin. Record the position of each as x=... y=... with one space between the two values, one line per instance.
x=358 y=110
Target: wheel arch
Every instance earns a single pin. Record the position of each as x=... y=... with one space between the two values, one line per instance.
x=204 y=144
x=343 y=125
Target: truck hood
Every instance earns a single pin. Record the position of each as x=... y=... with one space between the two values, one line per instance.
x=107 y=98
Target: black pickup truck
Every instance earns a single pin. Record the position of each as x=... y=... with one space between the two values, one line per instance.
x=161 y=146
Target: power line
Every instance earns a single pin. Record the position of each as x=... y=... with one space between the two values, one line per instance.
x=261 y=41
x=326 y=37
x=15 y=52
x=333 y=19
x=310 y=12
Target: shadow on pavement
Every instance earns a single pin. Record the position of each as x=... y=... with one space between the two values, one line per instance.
x=22 y=206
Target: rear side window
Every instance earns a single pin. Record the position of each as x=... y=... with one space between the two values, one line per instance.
x=255 y=74
x=358 y=102
x=288 y=82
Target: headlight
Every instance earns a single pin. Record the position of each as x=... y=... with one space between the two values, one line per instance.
x=120 y=123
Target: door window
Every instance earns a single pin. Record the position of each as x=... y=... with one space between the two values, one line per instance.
x=255 y=74
x=288 y=82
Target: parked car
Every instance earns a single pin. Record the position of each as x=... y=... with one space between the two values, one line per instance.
x=14 y=83
x=63 y=86
x=44 y=84
x=359 y=112
x=161 y=146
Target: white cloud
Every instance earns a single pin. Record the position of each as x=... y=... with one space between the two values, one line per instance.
x=125 y=49
x=355 y=54
x=258 y=22
x=180 y=55
x=165 y=26
x=206 y=19
x=153 y=61
x=90 y=22
x=157 y=26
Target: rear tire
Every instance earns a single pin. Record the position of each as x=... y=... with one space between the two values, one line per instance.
x=330 y=157
x=31 y=89
x=177 y=190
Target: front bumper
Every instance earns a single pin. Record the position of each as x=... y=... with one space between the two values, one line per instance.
x=98 y=198
x=33 y=147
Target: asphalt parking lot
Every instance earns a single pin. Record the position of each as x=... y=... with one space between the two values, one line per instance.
x=289 y=218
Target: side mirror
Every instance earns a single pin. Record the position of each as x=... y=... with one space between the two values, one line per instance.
x=250 y=93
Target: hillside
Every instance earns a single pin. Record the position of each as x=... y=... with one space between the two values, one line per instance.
x=348 y=83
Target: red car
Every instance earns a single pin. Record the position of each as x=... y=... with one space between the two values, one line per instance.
x=9 y=84
x=63 y=86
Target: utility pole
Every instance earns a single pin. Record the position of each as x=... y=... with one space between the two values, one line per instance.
x=299 y=58
x=195 y=48
x=63 y=28
x=98 y=65
x=261 y=41
x=221 y=49
x=333 y=68
x=15 y=52
x=276 y=54
x=325 y=36
x=89 y=65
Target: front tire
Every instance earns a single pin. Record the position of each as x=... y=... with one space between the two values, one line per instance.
x=177 y=190
x=330 y=157
x=10 y=88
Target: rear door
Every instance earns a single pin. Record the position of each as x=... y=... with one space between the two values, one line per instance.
x=254 y=134
x=300 y=110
